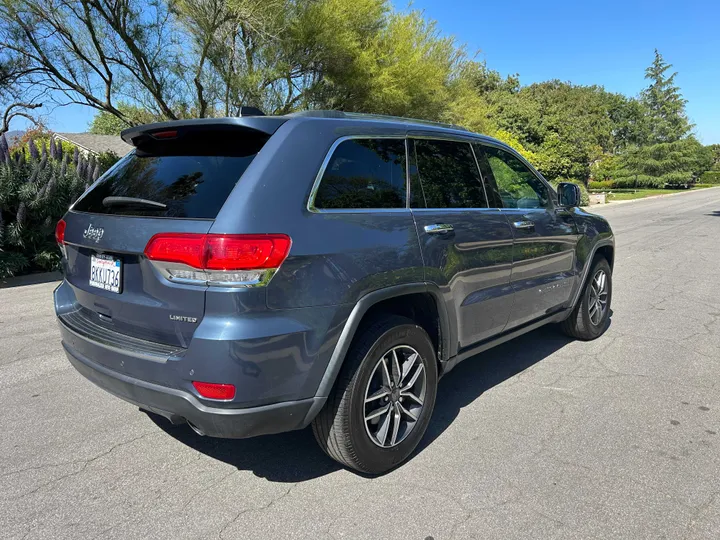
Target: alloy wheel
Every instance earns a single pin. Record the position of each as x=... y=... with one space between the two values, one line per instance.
x=598 y=301
x=394 y=396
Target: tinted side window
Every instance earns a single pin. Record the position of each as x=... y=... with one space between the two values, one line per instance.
x=517 y=185
x=364 y=173
x=493 y=194
x=449 y=176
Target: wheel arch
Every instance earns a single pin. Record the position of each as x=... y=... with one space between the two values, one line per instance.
x=607 y=251
x=401 y=300
x=605 y=248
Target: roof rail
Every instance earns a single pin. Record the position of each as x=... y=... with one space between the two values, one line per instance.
x=319 y=113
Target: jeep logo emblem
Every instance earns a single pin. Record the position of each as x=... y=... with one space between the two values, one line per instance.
x=93 y=233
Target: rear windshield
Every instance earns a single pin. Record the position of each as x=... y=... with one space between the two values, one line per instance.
x=190 y=180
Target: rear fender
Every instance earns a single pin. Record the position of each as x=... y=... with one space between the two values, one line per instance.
x=448 y=328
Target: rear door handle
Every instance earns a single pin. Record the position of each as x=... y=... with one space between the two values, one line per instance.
x=524 y=224
x=439 y=228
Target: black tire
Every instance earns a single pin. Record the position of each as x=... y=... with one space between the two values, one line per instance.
x=579 y=324
x=340 y=427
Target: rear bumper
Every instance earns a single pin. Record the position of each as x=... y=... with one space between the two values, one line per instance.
x=179 y=406
x=275 y=360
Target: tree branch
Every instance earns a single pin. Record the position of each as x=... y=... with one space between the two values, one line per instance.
x=21 y=111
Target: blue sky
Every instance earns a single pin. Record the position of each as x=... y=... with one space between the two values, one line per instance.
x=609 y=43
x=606 y=42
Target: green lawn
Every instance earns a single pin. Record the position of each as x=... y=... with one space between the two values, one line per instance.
x=642 y=193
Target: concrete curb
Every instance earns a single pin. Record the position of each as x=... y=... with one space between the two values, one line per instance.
x=30 y=279
x=613 y=203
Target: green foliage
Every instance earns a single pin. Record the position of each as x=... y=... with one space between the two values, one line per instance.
x=710 y=177
x=39 y=138
x=714 y=150
x=600 y=185
x=107 y=160
x=409 y=66
x=660 y=165
x=105 y=123
x=512 y=141
x=35 y=192
x=207 y=58
x=664 y=103
x=377 y=60
x=567 y=127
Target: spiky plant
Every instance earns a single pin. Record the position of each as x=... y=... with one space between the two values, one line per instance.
x=32 y=148
x=4 y=149
x=35 y=191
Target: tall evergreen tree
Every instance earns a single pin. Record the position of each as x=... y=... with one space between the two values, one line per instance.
x=668 y=121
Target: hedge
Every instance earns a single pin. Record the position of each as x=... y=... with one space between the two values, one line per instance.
x=710 y=177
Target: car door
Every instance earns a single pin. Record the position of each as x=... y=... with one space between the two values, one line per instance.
x=466 y=246
x=545 y=236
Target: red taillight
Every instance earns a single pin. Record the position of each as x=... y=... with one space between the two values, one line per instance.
x=215 y=390
x=60 y=232
x=178 y=248
x=248 y=252
x=220 y=251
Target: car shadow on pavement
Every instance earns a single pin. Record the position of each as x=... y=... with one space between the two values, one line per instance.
x=476 y=375
x=296 y=457
x=286 y=457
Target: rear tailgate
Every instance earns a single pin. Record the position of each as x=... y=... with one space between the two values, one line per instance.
x=147 y=306
x=175 y=182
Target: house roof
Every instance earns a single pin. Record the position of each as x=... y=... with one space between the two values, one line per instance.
x=97 y=144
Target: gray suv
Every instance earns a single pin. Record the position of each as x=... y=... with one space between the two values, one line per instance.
x=260 y=274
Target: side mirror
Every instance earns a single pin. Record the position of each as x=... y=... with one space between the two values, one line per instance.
x=568 y=194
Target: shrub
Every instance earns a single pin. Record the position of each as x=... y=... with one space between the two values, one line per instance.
x=601 y=184
x=39 y=137
x=107 y=160
x=710 y=177
x=37 y=185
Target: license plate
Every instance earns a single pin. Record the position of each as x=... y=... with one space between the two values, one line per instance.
x=105 y=273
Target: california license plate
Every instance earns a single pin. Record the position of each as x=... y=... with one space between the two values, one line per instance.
x=105 y=273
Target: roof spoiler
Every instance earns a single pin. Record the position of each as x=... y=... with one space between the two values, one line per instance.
x=176 y=128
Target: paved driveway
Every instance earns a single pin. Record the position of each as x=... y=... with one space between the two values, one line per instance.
x=539 y=438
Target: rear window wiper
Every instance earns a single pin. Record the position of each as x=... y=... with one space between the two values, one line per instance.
x=132 y=201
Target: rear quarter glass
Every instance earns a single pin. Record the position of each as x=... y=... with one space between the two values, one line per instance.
x=192 y=177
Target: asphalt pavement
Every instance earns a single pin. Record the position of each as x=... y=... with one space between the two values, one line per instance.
x=542 y=437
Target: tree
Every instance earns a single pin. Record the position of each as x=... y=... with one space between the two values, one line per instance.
x=665 y=105
x=568 y=127
x=105 y=123
x=471 y=89
x=714 y=150
x=629 y=120
x=92 y=51
x=17 y=98
x=204 y=58
x=663 y=164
